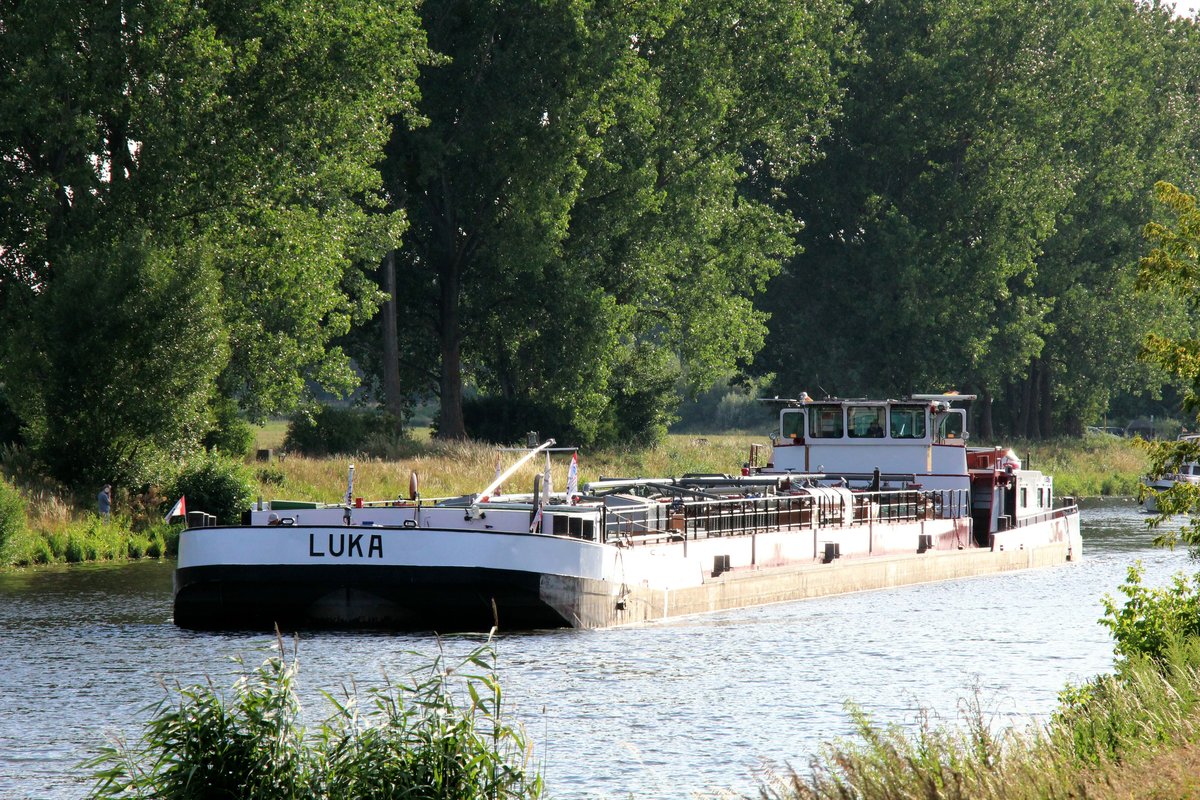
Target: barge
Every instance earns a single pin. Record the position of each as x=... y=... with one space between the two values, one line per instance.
x=851 y=495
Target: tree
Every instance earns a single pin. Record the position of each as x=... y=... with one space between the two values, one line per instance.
x=1173 y=267
x=973 y=224
x=923 y=222
x=592 y=192
x=187 y=194
x=1132 y=63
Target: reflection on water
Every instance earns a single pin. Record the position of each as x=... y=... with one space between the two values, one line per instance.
x=674 y=709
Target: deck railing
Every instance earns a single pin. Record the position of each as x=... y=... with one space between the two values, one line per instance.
x=698 y=519
x=1056 y=513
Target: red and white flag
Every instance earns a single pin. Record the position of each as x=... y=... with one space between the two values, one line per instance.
x=177 y=510
x=536 y=525
x=573 y=478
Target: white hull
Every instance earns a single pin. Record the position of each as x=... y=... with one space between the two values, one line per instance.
x=447 y=579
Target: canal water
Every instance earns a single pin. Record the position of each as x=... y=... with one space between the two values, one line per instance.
x=689 y=708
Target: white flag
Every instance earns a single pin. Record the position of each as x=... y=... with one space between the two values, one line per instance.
x=537 y=521
x=573 y=478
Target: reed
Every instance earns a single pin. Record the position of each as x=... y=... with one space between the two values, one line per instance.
x=1104 y=735
x=86 y=538
x=439 y=735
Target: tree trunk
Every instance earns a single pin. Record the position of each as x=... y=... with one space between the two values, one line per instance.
x=450 y=424
x=1021 y=423
x=393 y=398
x=1046 y=405
x=1033 y=424
x=986 y=429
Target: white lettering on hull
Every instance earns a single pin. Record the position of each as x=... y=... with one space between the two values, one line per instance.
x=345 y=545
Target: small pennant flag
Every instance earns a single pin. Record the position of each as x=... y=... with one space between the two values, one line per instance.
x=537 y=521
x=177 y=510
x=573 y=478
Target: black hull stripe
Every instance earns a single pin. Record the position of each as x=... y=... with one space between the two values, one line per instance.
x=443 y=599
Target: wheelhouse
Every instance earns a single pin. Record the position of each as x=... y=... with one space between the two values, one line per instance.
x=872 y=422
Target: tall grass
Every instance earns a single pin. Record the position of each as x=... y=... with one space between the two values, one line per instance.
x=86 y=538
x=1096 y=465
x=61 y=527
x=1103 y=736
x=1090 y=467
x=440 y=735
x=454 y=468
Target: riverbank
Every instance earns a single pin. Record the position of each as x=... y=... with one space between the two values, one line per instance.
x=1094 y=466
x=55 y=531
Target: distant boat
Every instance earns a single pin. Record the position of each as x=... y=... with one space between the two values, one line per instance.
x=1188 y=472
x=855 y=495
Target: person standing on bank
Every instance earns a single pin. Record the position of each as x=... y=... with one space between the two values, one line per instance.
x=104 y=501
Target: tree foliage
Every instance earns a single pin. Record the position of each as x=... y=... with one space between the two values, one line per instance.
x=186 y=195
x=1172 y=267
x=216 y=484
x=974 y=221
x=590 y=198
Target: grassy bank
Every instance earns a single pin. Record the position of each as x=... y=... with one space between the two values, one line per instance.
x=1097 y=465
x=1091 y=467
x=63 y=529
x=454 y=468
x=1129 y=736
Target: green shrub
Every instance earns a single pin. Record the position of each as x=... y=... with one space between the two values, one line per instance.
x=270 y=475
x=10 y=423
x=413 y=741
x=337 y=431
x=13 y=522
x=75 y=551
x=57 y=543
x=231 y=434
x=638 y=407
x=643 y=399
x=1149 y=702
x=215 y=484
x=1150 y=620
x=40 y=552
x=162 y=540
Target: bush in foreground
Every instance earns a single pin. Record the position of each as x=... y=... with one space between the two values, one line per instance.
x=1102 y=736
x=411 y=740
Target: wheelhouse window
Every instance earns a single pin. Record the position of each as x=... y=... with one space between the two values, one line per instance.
x=792 y=425
x=908 y=422
x=825 y=422
x=866 y=422
x=951 y=425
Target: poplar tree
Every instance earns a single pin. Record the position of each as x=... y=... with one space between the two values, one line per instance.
x=591 y=200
